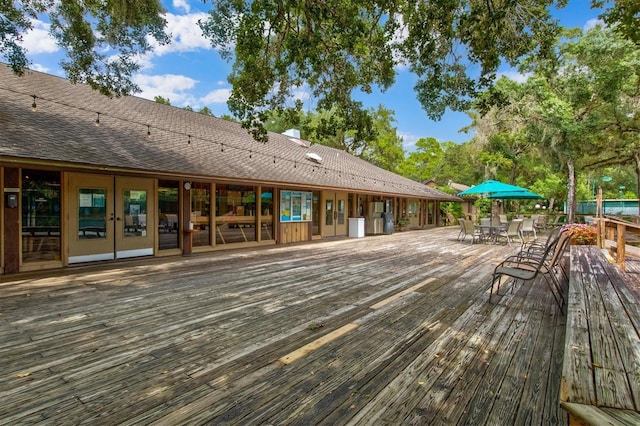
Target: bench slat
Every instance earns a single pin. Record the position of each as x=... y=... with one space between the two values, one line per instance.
x=602 y=347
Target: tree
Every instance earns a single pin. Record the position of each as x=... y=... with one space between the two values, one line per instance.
x=161 y=100
x=385 y=150
x=421 y=164
x=335 y=47
x=574 y=98
x=206 y=111
x=101 y=38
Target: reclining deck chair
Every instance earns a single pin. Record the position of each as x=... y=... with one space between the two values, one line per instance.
x=520 y=267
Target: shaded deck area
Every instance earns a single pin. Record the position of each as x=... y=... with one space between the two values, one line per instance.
x=384 y=330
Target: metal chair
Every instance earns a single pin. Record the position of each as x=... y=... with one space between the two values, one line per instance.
x=528 y=227
x=512 y=231
x=528 y=268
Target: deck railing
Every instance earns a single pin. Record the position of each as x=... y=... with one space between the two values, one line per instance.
x=612 y=235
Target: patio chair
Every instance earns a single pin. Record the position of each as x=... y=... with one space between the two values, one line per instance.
x=503 y=219
x=528 y=227
x=512 y=231
x=471 y=230
x=485 y=230
x=541 y=222
x=463 y=233
x=526 y=269
x=538 y=245
x=536 y=249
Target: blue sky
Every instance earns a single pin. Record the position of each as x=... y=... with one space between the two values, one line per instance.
x=190 y=72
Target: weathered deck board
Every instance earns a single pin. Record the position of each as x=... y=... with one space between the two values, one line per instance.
x=198 y=340
x=602 y=352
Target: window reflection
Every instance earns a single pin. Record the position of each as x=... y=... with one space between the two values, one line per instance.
x=235 y=214
x=40 y=215
x=135 y=213
x=266 y=220
x=168 y=214
x=201 y=213
x=92 y=213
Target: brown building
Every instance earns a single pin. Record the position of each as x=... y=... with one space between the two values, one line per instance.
x=88 y=178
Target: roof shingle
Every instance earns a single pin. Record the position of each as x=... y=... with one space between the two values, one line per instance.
x=180 y=143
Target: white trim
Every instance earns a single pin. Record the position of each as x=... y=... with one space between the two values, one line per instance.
x=135 y=253
x=91 y=258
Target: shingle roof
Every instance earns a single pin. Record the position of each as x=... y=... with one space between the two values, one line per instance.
x=181 y=143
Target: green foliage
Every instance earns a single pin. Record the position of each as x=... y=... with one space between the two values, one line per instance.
x=161 y=100
x=206 y=111
x=336 y=47
x=101 y=38
x=483 y=206
x=423 y=163
x=623 y=17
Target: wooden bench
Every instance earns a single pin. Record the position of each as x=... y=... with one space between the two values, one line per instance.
x=601 y=369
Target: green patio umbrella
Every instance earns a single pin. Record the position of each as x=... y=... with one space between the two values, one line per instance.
x=491 y=187
x=524 y=194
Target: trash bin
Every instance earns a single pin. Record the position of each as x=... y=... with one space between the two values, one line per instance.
x=356 y=227
x=387 y=219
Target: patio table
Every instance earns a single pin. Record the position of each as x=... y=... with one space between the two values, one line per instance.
x=493 y=230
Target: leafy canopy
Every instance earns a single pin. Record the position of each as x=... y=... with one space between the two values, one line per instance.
x=101 y=37
x=336 y=47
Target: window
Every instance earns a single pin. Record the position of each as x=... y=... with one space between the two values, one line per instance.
x=135 y=213
x=169 y=213
x=200 y=210
x=295 y=206
x=236 y=213
x=92 y=213
x=40 y=215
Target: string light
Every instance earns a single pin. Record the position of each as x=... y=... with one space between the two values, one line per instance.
x=354 y=176
x=221 y=147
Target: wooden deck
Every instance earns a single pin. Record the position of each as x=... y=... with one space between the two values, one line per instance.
x=601 y=375
x=395 y=329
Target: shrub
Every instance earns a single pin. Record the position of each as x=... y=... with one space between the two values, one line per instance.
x=583 y=234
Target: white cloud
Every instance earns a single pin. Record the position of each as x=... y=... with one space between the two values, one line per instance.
x=514 y=75
x=185 y=34
x=181 y=4
x=218 y=96
x=39 y=68
x=38 y=40
x=169 y=86
x=408 y=141
x=591 y=23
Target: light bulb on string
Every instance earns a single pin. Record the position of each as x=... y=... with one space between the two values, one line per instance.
x=189 y=140
x=33 y=105
x=98 y=120
x=148 y=131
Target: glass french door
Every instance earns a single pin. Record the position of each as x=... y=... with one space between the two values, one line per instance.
x=110 y=218
x=335 y=214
